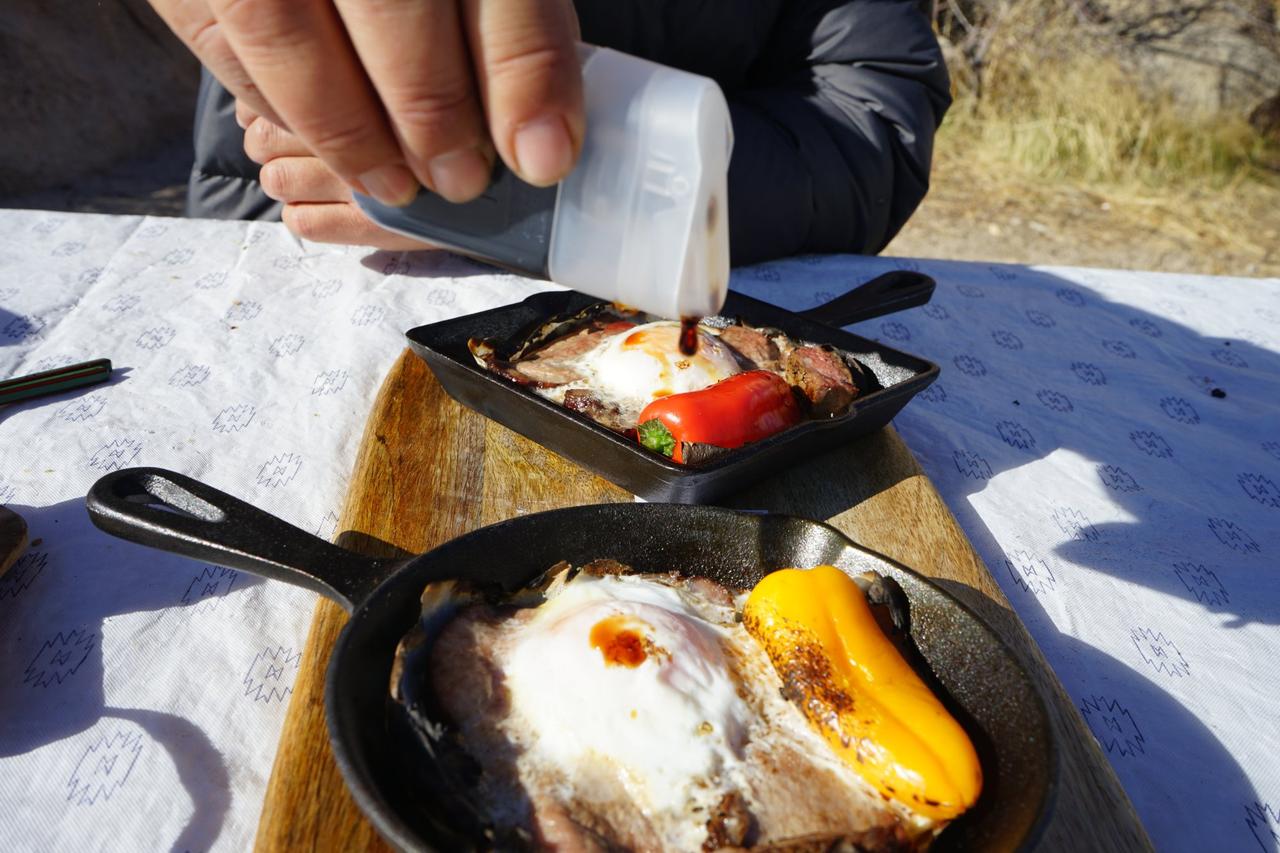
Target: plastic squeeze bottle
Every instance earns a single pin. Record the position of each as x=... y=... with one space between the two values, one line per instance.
x=643 y=217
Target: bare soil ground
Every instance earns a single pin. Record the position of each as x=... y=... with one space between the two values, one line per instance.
x=977 y=213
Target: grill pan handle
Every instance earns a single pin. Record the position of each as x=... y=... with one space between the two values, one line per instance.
x=175 y=513
x=884 y=294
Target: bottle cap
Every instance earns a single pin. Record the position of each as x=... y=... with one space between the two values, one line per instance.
x=643 y=217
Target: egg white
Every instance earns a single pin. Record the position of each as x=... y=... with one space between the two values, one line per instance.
x=631 y=369
x=667 y=729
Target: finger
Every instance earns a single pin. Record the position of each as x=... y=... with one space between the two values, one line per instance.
x=297 y=53
x=193 y=22
x=415 y=55
x=302 y=179
x=343 y=223
x=265 y=140
x=245 y=115
x=527 y=69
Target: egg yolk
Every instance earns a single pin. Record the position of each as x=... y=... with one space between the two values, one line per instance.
x=619 y=641
x=858 y=692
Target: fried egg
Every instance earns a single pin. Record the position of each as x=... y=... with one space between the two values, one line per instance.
x=666 y=720
x=631 y=369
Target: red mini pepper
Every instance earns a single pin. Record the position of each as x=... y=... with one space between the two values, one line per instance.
x=743 y=408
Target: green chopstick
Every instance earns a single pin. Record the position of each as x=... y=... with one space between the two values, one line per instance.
x=55 y=381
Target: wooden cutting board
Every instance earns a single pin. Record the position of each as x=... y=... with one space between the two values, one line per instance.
x=429 y=470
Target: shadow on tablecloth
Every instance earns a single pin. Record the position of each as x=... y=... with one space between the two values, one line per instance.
x=1164 y=449
x=70 y=663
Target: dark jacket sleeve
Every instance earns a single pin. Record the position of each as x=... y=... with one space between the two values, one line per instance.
x=224 y=181
x=834 y=102
x=835 y=130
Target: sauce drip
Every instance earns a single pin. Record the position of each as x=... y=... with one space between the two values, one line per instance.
x=619 y=642
x=689 y=335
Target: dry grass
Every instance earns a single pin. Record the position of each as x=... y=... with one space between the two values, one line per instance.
x=1085 y=120
x=1073 y=146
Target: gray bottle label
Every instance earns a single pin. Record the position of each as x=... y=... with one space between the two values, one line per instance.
x=509 y=225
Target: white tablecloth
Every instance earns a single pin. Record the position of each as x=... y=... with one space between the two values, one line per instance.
x=1110 y=442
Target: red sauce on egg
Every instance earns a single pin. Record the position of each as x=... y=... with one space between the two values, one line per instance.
x=619 y=642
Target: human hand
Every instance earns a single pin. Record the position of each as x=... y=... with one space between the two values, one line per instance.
x=318 y=206
x=392 y=93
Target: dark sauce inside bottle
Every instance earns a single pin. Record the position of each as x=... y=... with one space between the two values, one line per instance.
x=689 y=335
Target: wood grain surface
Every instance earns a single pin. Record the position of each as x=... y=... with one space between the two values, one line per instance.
x=13 y=538
x=429 y=470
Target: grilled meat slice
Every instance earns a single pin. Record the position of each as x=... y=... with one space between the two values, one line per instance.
x=608 y=416
x=558 y=363
x=753 y=347
x=729 y=823
x=554 y=364
x=822 y=376
x=547 y=374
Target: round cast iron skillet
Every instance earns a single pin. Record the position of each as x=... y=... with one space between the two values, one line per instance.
x=986 y=688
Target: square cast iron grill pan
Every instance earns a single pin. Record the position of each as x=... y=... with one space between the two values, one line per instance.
x=443 y=346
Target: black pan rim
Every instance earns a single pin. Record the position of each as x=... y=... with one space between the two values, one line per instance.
x=401 y=835
x=729 y=459
x=674 y=471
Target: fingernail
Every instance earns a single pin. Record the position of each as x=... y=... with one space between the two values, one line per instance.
x=392 y=185
x=460 y=175
x=544 y=151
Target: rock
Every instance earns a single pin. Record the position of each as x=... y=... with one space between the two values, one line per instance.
x=1212 y=57
x=85 y=86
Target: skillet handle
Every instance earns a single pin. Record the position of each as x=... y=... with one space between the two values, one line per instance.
x=172 y=512
x=884 y=294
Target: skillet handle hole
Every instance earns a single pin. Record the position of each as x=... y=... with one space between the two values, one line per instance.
x=166 y=496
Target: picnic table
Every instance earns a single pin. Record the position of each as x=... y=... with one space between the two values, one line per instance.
x=1108 y=441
